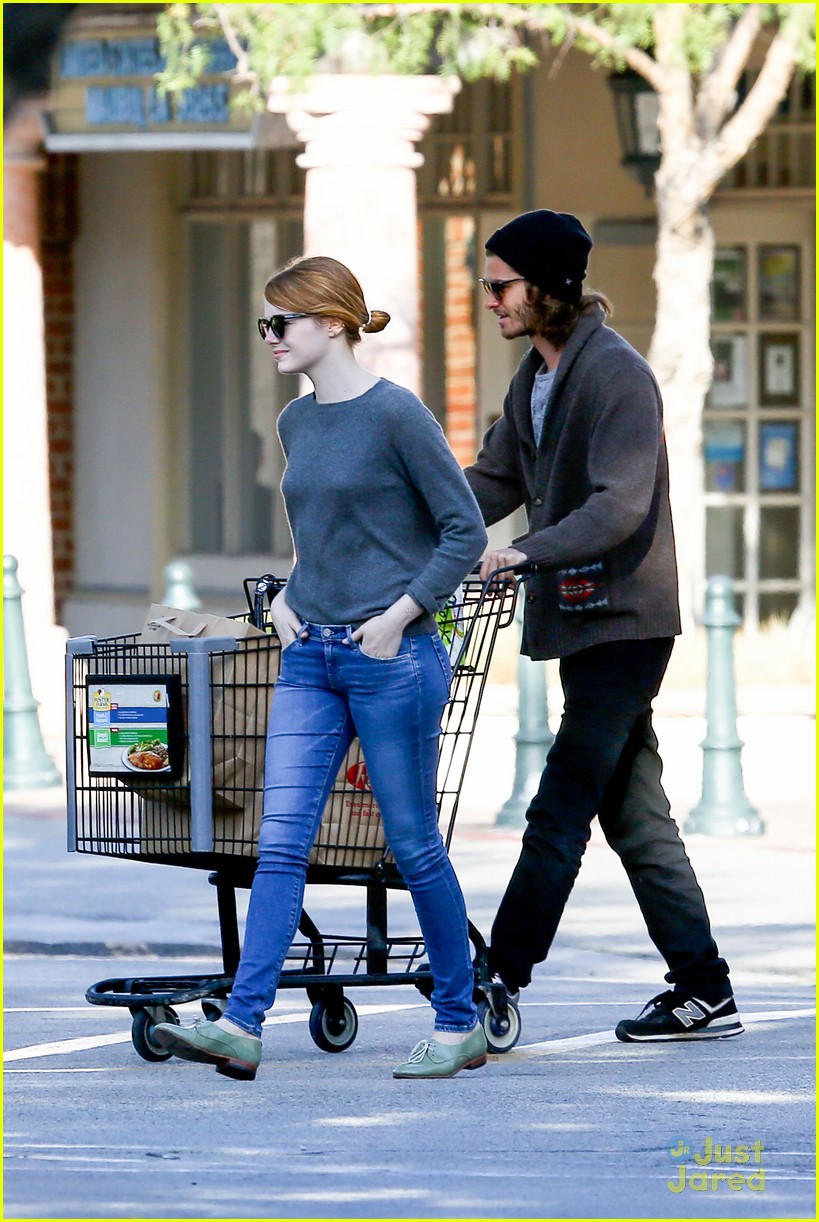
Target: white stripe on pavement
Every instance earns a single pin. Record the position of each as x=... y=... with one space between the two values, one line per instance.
x=83 y=1043
x=593 y=1038
x=772 y=1016
x=60 y=1046
x=607 y=1037
x=72 y=1069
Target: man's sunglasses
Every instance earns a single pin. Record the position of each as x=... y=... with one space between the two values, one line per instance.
x=276 y=324
x=495 y=287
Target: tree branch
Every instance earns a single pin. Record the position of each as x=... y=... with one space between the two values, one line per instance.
x=676 y=112
x=756 y=112
x=599 y=37
x=717 y=92
x=637 y=59
x=242 y=71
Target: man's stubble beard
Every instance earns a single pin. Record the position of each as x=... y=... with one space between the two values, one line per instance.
x=521 y=316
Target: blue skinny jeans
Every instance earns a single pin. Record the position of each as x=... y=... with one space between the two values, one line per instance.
x=327 y=692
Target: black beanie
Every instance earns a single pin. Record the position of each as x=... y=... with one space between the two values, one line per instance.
x=549 y=249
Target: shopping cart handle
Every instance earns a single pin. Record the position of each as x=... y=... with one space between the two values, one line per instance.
x=257 y=589
x=523 y=571
x=527 y=569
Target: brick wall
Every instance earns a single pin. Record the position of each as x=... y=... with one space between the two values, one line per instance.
x=58 y=230
x=459 y=306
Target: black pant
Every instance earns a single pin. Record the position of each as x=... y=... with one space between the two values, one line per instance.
x=604 y=762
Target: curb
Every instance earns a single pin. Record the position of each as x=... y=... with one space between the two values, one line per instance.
x=114 y=950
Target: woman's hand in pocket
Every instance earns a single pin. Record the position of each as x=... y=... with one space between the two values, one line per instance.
x=379 y=637
x=285 y=621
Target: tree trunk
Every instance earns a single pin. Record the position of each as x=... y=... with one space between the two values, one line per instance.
x=696 y=153
x=680 y=355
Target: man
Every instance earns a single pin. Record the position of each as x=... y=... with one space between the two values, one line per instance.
x=580 y=444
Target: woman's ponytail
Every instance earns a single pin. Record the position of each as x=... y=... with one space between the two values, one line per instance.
x=376 y=321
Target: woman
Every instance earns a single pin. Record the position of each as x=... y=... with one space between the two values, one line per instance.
x=384 y=528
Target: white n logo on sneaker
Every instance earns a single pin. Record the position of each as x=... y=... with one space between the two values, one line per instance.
x=689 y=1013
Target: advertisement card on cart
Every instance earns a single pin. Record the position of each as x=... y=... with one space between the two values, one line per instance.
x=135 y=726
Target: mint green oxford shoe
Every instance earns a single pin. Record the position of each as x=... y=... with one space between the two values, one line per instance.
x=235 y=1056
x=429 y=1059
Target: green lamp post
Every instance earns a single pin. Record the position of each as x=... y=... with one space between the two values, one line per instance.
x=179 y=591
x=26 y=764
x=532 y=740
x=723 y=808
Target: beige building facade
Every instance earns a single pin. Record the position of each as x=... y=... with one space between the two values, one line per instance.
x=158 y=402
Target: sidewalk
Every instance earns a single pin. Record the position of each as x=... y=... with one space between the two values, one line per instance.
x=777 y=727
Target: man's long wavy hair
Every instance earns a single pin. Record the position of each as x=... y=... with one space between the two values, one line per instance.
x=555 y=320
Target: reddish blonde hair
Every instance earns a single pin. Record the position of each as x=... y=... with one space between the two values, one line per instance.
x=325 y=288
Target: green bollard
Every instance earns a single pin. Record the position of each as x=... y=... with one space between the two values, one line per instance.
x=723 y=808
x=532 y=741
x=179 y=591
x=26 y=764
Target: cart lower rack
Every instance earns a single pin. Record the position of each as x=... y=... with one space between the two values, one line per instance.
x=165 y=755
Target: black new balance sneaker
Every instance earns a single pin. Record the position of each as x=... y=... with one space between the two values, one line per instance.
x=679 y=1016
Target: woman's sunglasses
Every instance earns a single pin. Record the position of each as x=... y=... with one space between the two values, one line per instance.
x=276 y=324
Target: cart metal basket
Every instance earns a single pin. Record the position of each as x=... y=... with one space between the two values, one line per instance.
x=165 y=754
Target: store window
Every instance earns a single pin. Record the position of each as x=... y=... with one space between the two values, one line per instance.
x=468 y=168
x=240 y=228
x=758 y=486
x=468 y=152
x=784 y=156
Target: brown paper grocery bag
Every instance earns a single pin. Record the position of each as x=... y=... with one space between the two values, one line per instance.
x=241 y=691
x=351 y=834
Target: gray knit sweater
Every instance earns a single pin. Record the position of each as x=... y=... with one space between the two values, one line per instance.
x=595 y=492
x=378 y=507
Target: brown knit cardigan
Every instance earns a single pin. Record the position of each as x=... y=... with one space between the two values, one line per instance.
x=595 y=493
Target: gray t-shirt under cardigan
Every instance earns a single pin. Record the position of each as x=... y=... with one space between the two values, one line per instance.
x=377 y=505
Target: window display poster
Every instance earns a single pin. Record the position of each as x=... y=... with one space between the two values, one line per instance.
x=725 y=456
x=778 y=283
x=134 y=726
x=778 y=370
x=778 y=458
x=729 y=387
x=728 y=285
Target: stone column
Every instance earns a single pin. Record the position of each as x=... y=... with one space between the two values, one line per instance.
x=26 y=494
x=360 y=133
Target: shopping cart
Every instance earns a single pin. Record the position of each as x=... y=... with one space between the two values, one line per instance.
x=165 y=751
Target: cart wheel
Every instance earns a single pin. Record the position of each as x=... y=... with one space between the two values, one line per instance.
x=142 y=1031
x=501 y=1036
x=213 y=1008
x=331 y=1031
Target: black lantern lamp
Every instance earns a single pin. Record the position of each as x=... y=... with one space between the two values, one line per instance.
x=636 y=106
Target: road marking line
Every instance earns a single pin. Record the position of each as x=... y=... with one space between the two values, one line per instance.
x=60 y=1046
x=593 y=1038
x=74 y=1069
x=83 y=1043
x=771 y=1016
x=608 y=1037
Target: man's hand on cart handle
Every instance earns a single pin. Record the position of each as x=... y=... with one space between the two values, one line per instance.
x=504 y=558
x=285 y=620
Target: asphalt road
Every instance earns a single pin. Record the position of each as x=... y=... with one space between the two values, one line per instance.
x=570 y=1124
